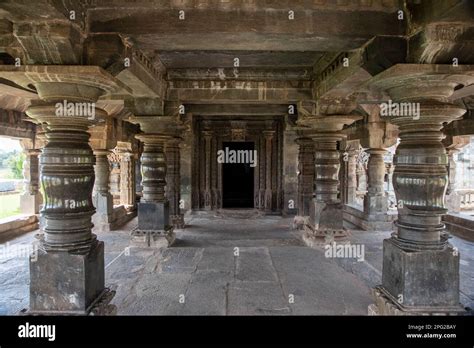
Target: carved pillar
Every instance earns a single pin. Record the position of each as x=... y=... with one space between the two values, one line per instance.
x=262 y=162
x=127 y=177
x=325 y=224
x=305 y=179
x=375 y=200
x=207 y=169
x=453 y=199
x=270 y=166
x=114 y=177
x=102 y=198
x=420 y=267
x=154 y=227
x=351 y=179
x=173 y=181
x=31 y=199
x=67 y=273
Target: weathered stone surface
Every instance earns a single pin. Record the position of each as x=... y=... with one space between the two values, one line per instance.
x=66 y=282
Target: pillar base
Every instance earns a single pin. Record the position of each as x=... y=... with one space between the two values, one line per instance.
x=153 y=216
x=299 y=222
x=378 y=222
x=103 y=217
x=177 y=221
x=325 y=225
x=320 y=238
x=102 y=222
x=385 y=305
x=154 y=239
x=421 y=281
x=66 y=283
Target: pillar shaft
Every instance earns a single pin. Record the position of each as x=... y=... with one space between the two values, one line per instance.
x=351 y=180
x=153 y=168
x=327 y=166
x=306 y=168
x=269 y=168
x=102 y=198
x=207 y=170
x=375 y=201
x=127 y=178
x=173 y=181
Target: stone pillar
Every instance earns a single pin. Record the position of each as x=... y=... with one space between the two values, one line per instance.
x=30 y=199
x=375 y=200
x=207 y=170
x=114 y=179
x=453 y=199
x=154 y=228
x=325 y=223
x=420 y=267
x=269 y=167
x=127 y=178
x=351 y=180
x=305 y=180
x=102 y=198
x=67 y=272
x=173 y=181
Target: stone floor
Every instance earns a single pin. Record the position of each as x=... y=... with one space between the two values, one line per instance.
x=229 y=263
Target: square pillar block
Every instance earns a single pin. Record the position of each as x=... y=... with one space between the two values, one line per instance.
x=325 y=225
x=62 y=282
x=421 y=281
x=104 y=203
x=153 y=216
x=374 y=205
x=103 y=217
x=154 y=229
x=326 y=216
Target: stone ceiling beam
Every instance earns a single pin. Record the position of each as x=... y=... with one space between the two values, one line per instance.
x=346 y=72
x=242 y=74
x=128 y=64
x=239 y=91
x=231 y=109
x=318 y=26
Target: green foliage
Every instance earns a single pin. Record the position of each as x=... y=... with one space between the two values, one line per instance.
x=14 y=162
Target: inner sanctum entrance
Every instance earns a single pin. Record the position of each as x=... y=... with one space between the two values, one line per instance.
x=238 y=174
x=218 y=184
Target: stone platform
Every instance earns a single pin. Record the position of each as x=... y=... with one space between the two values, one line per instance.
x=270 y=273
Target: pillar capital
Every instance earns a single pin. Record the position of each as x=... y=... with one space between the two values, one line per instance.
x=418 y=82
x=158 y=124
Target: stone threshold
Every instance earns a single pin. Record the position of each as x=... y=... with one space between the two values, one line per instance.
x=357 y=217
x=17 y=225
x=460 y=225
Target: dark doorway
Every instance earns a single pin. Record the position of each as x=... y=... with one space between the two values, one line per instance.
x=238 y=178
